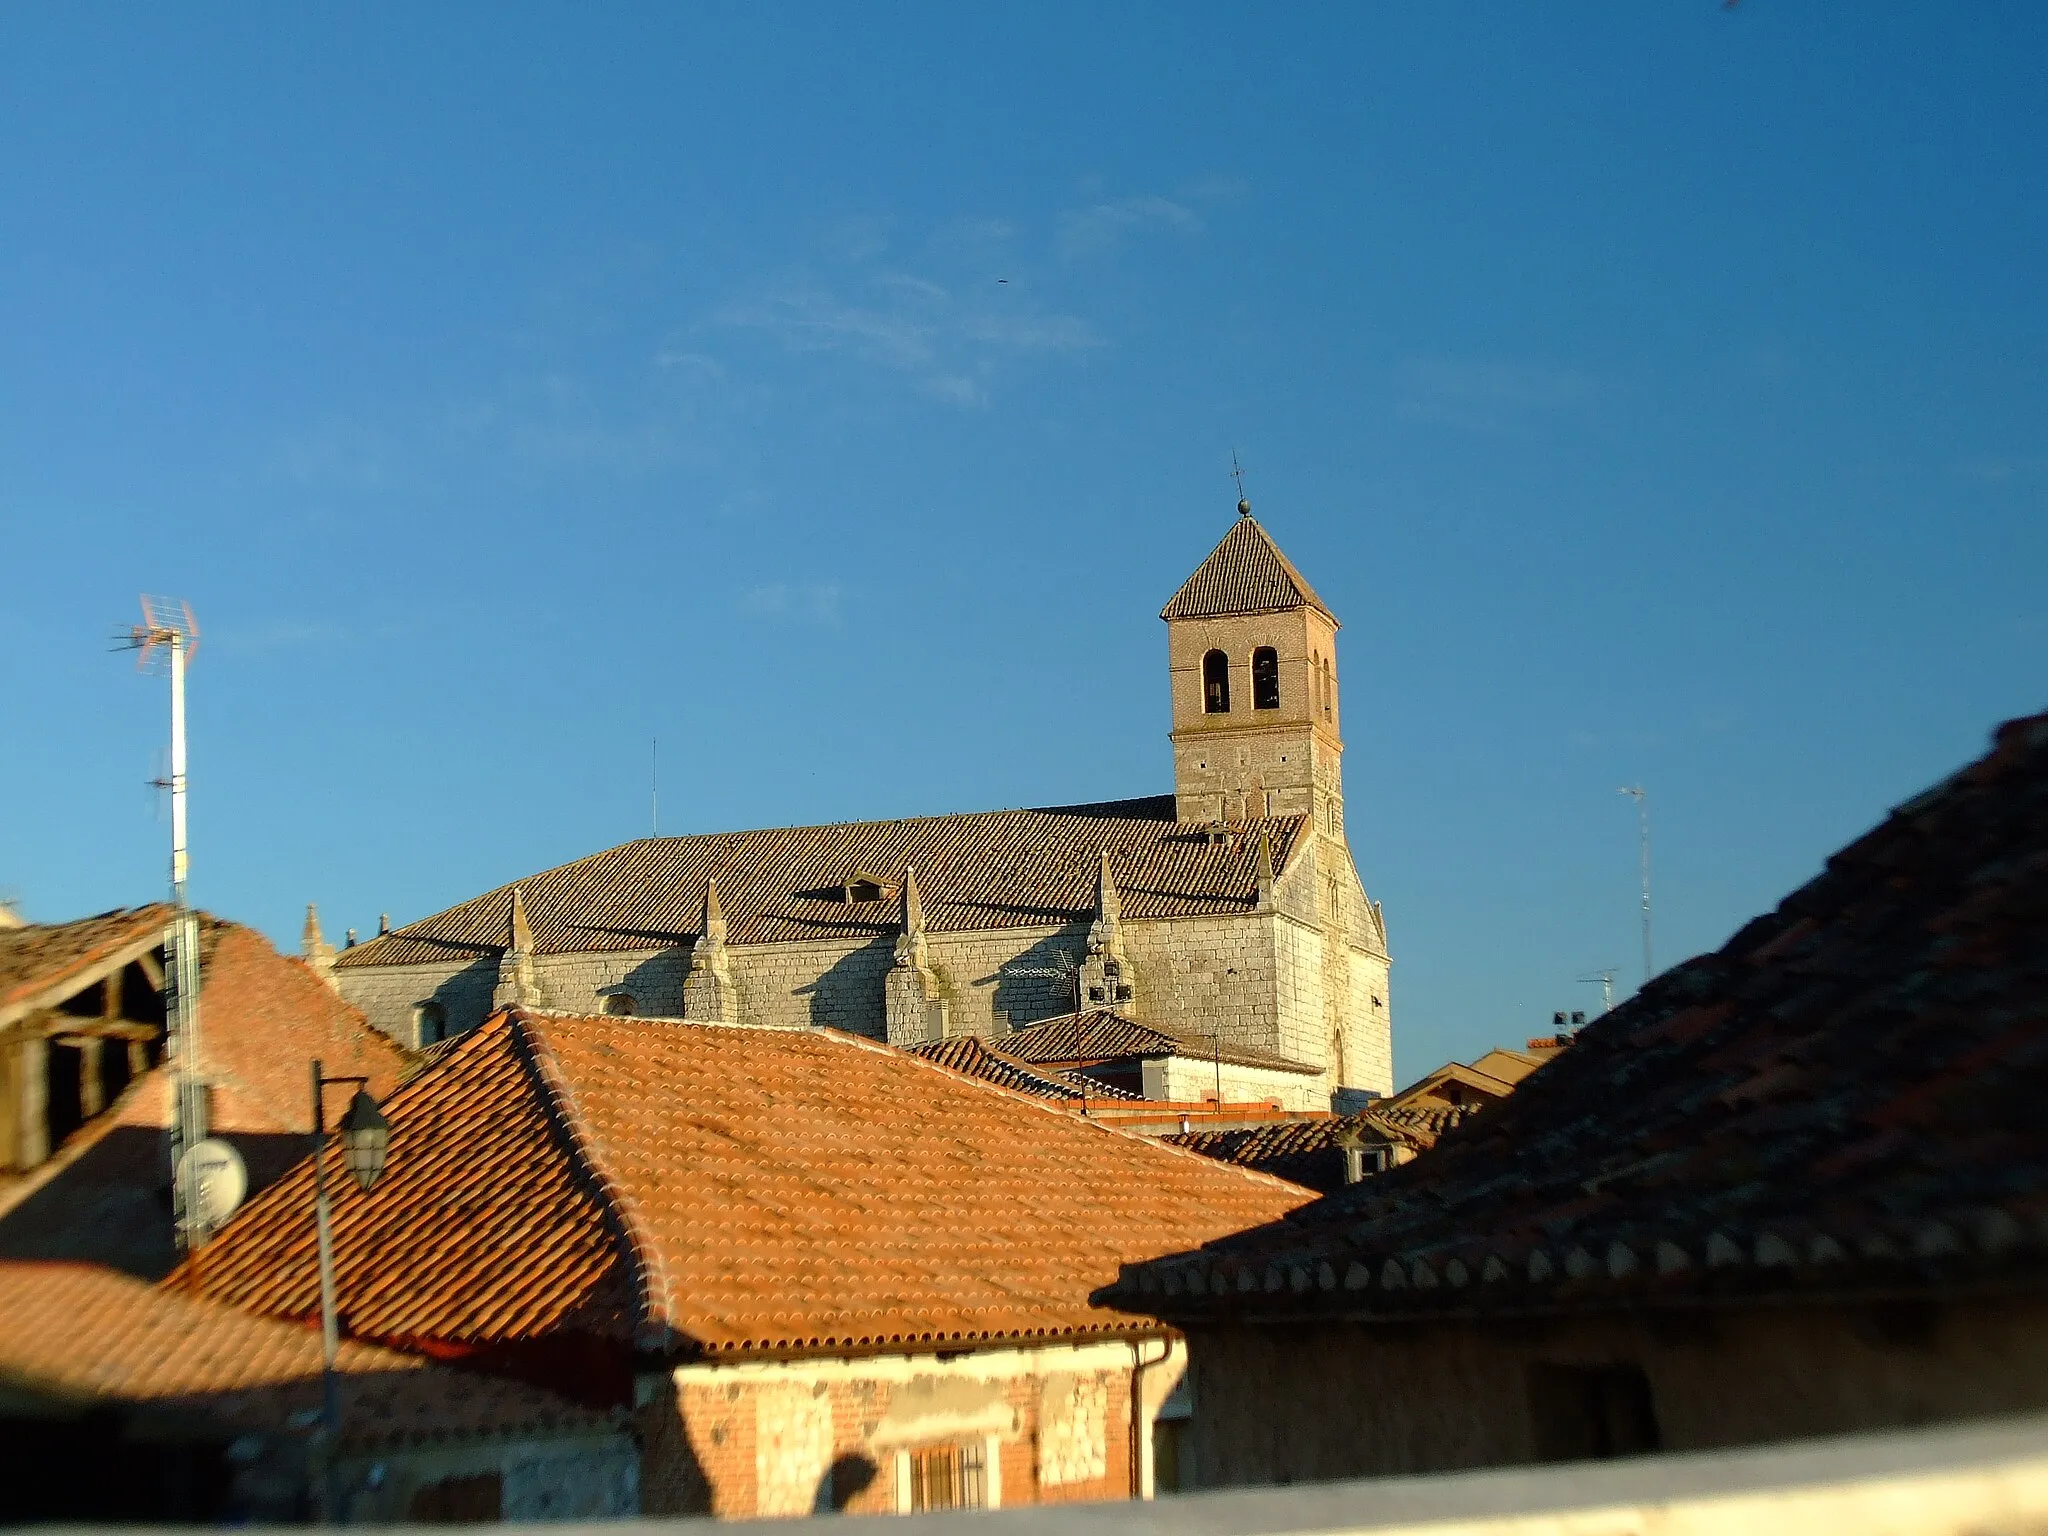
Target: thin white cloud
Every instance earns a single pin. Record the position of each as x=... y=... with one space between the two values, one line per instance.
x=945 y=341
x=1102 y=226
x=817 y=602
x=2002 y=471
x=1487 y=396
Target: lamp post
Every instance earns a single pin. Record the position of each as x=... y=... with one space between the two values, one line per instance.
x=365 y=1137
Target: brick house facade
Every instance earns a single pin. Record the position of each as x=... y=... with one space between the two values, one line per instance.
x=818 y=1271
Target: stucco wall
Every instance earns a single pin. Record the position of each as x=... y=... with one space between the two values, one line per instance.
x=763 y=1439
x=1347 y=1400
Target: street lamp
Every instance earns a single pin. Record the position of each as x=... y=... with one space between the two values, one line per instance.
x=365 y=1139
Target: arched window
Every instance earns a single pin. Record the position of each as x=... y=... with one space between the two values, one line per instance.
x=1215 y=684
x=1265 y=678
x=430 y=1023
x=619 y=1004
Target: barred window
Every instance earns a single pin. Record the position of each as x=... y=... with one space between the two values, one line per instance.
x=949 y=1477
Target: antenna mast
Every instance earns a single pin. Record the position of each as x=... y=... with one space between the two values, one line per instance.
x=168 y=634
x=1641 y=796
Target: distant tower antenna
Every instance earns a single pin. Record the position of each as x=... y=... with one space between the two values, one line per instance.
x=1641 y=796
x=654 y=780
x=165 y=641
x=1605 y=976
x=1244 y=505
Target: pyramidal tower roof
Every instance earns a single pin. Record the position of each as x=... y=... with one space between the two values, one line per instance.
x=1246 y=573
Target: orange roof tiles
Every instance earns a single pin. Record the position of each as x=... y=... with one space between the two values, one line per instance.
x=77 y=1332
x=987 y=870
x=715 y=1189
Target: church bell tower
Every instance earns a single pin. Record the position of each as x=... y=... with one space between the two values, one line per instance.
x=1252 y=654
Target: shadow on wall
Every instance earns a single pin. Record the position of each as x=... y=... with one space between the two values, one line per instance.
x=845 y=1481
x=848 y=996
x=112 y=1206
x=656 y=983
x=1039 y=983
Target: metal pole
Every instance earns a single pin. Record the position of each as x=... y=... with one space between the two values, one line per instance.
x=330 y=1394
x=188 y=1126
x=1641 y=797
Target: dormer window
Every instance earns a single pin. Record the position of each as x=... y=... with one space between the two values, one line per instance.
x=862 y=887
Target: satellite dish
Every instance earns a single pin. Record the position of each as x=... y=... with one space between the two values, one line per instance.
x=213 y=1170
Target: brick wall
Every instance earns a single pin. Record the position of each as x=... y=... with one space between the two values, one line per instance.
x=1053 y=1425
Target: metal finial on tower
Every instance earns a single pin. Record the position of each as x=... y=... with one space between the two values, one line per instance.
x=1244 y=506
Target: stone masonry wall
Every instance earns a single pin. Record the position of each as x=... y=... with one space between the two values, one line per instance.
x=1261 y=979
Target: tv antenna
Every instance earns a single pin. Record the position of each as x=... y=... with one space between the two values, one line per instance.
x=164 y=642
x=1605 y=976
x=1641 y=796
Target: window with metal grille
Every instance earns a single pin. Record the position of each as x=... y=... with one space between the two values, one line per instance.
x=949 y=1477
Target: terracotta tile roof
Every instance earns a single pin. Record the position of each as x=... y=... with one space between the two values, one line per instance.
x=715 y=1189
x=970 y=1055
x=1310 y=1152
x=264 y=1017
x=1845 y=1098
x=1100 y=1034
x=995 y=869
x=42 y=958
x=1245 y=573
x=76 y=1332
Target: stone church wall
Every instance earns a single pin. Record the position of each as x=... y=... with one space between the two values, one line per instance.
x=1257 y=979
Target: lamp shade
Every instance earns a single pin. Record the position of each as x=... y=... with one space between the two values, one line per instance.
x=365 y=1137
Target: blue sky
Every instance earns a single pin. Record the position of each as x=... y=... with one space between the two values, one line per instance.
x=1658 y=393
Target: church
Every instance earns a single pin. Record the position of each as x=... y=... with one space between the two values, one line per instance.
x=1224 y=926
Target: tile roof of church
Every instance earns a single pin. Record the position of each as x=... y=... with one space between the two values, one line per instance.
x=1245 y=573
x=1100 y=1034
x=724 y=1191
x=1845 y=1099
x=983 y=870
x=970 y=1055
x=76 y=1332
x=1306 y=1152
